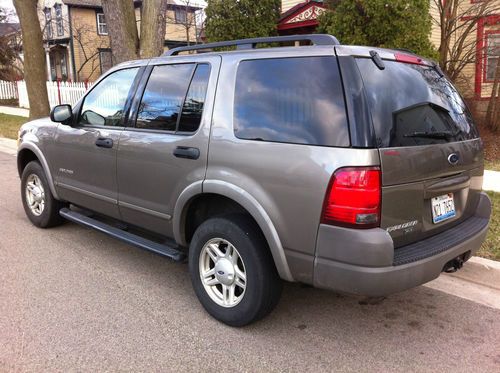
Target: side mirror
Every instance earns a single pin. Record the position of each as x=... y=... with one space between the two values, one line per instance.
x=61 y=114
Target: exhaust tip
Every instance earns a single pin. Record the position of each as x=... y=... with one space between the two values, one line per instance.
x=457 y=263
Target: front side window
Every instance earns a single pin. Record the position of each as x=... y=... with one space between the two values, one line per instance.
x=291 y=100
x=102 y=27
x=48 y=22
x=59 y=20
x=492 y=55
x=174 y=97
x=105 y=104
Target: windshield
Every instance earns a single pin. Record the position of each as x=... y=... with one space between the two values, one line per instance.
x=414 y=105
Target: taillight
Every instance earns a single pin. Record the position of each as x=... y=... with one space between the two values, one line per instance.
x=407 y=58
x=353 y=198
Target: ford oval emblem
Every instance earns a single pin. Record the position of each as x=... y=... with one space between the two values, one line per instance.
x=453 y=158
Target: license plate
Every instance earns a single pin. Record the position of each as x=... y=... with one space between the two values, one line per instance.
x=443 y=208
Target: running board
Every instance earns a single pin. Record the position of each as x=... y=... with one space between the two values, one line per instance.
x=127 y=237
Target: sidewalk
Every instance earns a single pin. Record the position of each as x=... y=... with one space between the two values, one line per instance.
x=15 y=111
x=8 y=146
x=491 y=181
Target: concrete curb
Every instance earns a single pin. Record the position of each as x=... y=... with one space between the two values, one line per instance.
x=477 y=281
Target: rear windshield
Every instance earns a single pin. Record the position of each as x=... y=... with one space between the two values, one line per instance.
x=414 y=105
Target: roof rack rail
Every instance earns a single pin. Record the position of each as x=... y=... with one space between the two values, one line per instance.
x=316 y=39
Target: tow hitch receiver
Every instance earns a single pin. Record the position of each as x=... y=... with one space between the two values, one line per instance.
x=457 y=263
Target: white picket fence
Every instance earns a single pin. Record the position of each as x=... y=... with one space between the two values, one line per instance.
x=58 y=92
x=8 y=90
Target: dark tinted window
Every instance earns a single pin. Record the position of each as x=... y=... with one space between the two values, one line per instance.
x=105 y=104
x=163 y=97
x=292 y=100
x=414 y=105
x=195 y=99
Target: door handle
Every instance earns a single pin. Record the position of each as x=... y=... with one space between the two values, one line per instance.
x=187 y=152
x=104 y=142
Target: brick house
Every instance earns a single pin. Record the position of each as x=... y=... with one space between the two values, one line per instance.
x=76 y=37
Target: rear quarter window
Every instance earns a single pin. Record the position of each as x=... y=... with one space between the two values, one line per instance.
x=291 y=100
x=413 y=105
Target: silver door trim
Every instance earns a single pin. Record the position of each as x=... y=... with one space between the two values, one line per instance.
x=145 y=210
x=87 y=193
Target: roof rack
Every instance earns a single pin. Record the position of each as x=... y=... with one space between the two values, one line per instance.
x=315 y=39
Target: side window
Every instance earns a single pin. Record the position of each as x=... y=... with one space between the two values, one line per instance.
x=174 y=97
x=291 y=100
x=105 y=104
x=195 y=100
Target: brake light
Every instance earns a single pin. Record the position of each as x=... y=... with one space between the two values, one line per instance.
x=353 y=198
x=407 y=58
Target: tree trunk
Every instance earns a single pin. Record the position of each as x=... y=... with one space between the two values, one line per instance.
x=122 y=29
x=492 y=113
x=153 y=27
x=35 y=67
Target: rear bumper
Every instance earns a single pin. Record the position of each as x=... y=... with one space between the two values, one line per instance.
x=363 y=262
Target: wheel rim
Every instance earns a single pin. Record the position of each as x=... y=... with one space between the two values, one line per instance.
x=35 y=195
x=222 y=272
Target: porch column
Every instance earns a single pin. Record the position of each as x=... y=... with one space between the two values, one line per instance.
x=47 y=57
x=69 y=65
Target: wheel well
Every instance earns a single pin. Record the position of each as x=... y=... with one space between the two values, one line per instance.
x=207 y=206
x=24 y=157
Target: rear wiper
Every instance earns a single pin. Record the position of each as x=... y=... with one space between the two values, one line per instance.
x=432 y=135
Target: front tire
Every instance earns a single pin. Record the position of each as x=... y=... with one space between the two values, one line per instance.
x=232 y=270
x=39 y=204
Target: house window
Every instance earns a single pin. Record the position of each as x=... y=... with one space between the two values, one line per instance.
x=59 y=20
x=102 y=27
x=105 y=59
x=48 y=22
x=492 y=55
x=180 y=15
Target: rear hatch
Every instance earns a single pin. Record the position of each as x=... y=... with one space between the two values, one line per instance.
x=430 y=151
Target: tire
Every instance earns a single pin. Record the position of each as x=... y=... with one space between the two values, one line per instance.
x=44 y=210
x=262 y=285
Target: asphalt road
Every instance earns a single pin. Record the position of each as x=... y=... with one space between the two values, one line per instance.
x=72 y=299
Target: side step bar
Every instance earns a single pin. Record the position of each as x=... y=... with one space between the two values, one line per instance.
x=127 y=237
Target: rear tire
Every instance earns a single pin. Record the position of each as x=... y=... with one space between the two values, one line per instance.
x=240 y=283
x=39 y=204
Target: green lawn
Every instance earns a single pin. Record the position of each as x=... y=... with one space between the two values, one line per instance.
x=9 y=125
x=491 y=247
x=492 y=165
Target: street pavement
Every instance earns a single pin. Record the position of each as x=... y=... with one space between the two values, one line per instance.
x=73 y=299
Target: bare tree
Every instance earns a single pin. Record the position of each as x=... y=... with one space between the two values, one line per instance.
x=493 y=111
x=122 y=29
x=34 y=58
x=185 y=17
x=90 y=47
x=153 y=28
x=458 y=21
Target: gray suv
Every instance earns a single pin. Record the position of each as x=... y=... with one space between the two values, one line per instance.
x=354 y=169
